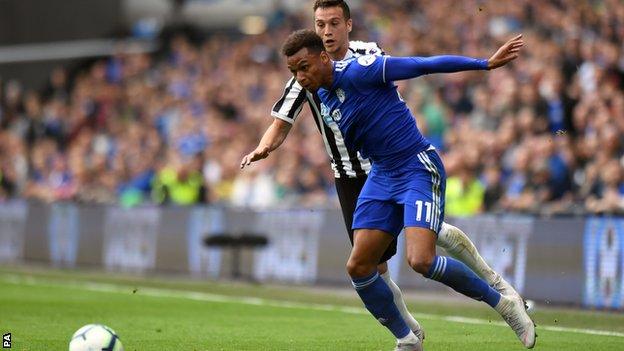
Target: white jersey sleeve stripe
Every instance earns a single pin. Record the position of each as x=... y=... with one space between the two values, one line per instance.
x=384 y=69
x=283 y=118
x=290 y=104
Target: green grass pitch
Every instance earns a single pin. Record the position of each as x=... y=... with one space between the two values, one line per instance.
x=42 y=308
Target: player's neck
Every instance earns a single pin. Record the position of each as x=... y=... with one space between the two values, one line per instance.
x=327 y=84
x=340 y=54
x=328 y=76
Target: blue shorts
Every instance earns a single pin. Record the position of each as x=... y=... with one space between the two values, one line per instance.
x=413 y=197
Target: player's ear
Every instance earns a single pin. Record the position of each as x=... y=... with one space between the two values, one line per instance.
x=349 y=25
x=325 y=57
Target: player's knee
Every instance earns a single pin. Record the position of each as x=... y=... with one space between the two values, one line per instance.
x=357 y=268
x=420 y=263
x=382 y=268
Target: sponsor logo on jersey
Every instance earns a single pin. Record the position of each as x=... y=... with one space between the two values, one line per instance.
x=336 y=115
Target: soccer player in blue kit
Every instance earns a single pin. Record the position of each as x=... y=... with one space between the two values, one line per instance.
x=405 y=187
x=333 y=23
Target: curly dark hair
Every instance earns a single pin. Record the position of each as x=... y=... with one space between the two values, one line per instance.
x=303 y=38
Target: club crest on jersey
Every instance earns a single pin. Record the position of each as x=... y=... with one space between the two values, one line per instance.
x=366 y=60
x=341 y=95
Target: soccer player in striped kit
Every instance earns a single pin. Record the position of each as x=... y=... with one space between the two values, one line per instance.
x=333 y=23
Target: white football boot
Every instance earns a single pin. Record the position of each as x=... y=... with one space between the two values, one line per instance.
x=409 y=346
x=514 y=313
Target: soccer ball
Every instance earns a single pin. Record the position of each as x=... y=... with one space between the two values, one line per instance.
x=95 y=337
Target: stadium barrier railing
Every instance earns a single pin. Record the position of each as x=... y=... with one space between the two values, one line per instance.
x=572 y=260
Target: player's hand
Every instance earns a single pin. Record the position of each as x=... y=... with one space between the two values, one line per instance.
x=506 y=53
x=258 y=154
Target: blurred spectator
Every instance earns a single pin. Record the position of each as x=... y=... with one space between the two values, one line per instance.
x=494 y=189
x=464 y=192
x=607 y=191
x=547 y=130
x=180 y=183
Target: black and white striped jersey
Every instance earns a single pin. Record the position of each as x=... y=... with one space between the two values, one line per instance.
x=345 y=163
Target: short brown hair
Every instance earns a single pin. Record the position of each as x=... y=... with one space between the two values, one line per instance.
x=333 y=3
x=303 y=38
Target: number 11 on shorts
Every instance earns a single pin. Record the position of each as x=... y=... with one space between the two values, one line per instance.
x=419 y=210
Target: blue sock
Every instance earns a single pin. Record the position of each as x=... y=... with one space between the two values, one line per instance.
x=462 y=279
x=379 y=301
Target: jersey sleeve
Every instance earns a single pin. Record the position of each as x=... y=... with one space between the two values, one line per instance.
x=289 y=106
x=368 y=71
x=399 y=68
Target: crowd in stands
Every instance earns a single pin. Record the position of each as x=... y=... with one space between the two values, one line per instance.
x=542 y=135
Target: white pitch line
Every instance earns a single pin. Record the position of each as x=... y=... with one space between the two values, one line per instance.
x=207 y=297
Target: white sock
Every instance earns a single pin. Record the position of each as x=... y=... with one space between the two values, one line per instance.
x=409 y=338
x=400 y=304
x=459 y=246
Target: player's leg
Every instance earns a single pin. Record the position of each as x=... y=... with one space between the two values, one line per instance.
x=421 y=255
x=382 y=268
x=423 y=217
x=368 y=246
x=460 y=247
x=376 y=224
x=348 y=190
x=456 y=242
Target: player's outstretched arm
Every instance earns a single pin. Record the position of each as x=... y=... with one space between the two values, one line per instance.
x=273 y=137
x=399 y=68
x=506 y=53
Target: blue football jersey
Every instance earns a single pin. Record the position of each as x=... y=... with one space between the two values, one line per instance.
x=370 y=113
